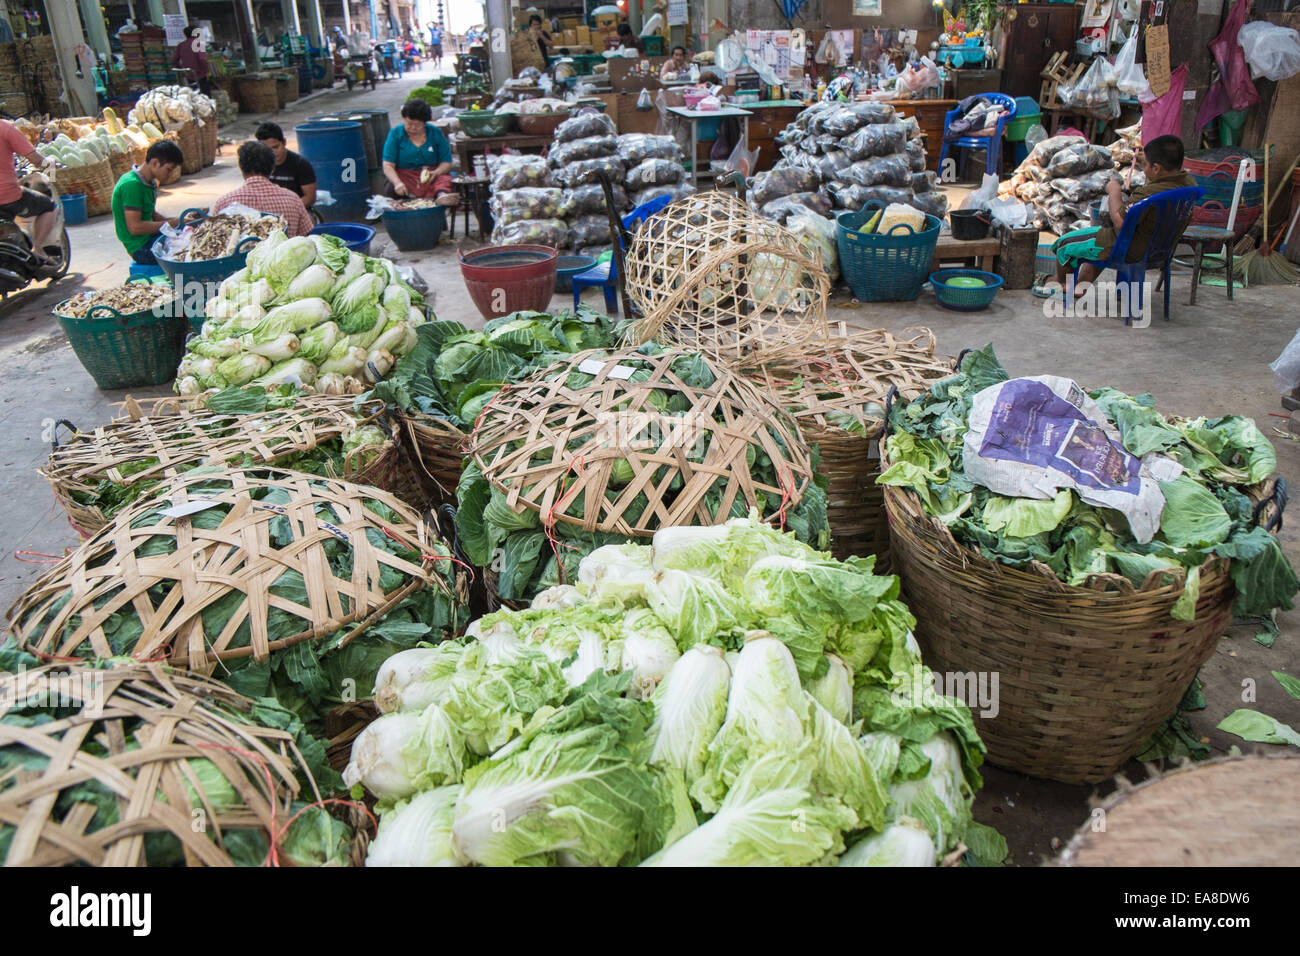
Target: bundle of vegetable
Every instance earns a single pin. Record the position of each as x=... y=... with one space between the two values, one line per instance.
x=305 y=311
x=604 y=447
x=280 y=583
x=98 y=144
x=127 y=299
x=1201 y=509
x=217 y=236
x=167 y=106
x=113 y=764
x=677 y=707
x=96 y=474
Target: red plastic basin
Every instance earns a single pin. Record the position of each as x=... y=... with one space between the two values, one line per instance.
x=505 y=279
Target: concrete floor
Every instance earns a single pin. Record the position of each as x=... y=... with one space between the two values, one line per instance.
x=1209 y=359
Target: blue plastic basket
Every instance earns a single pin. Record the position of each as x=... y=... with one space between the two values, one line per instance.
x=566 y=267
x=413 y=230
x=965 y=300
x=888 y=267
x=356 y=236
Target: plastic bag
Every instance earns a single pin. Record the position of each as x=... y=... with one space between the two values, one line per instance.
x=781 y=182
x=778 y=210
x=576 y=150
x=588 y=171
x=1272 y=51
x=1286 y=367
x=916 y=158
x=741 y=160
x=834 y=164
x=584 y=125
x=653 y=172
x=1085 y=187
x=634 y=148
x=810 y=145
x=546 y=232
x=1010 y=213
x=1129 y=78
x=881 y=171
x=589 y=230
x=591 y=199
x=876 y=139
x=911 y=128
x=855 y=197
x=1093 y=93
x=1042 y=153
x=924 y=181
x=826 y=141
x=516 y=172
x=935 y=203
x=675 y=191
x=527 y=203
x=816 y=233
x=644 y=102
x=982 y=197
x=1080 y=159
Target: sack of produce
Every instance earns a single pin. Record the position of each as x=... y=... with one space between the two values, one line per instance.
x=584 y=125
x=516 y=172
x=591 y=199
x=527 y=203
x=779 y=210
x=880 y=171
x=834 y=165
x=916 y=157
x=911 y=127
x=934 y=202
x=810 y=146
x=674 y=191
x=591 y=147
x=1041 y=155
x=781 y=181
x=545 y=232
x=1080 y=159
x=153 y=767
x=588 y=171
x=589 y=230
x=274 y=582
x=653 y=172
x=690 y=641
x=855 y=197
x=634 y=148
x=924 y=182
x=1086 y=187
x=816 y=233
x=877 y=139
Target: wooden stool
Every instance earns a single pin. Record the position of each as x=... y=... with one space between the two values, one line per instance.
x=1199 y=237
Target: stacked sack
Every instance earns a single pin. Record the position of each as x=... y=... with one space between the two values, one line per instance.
x=654 y=168
x=585 y=146
x=526 y=205
x=837 y=156
x=1060 y=178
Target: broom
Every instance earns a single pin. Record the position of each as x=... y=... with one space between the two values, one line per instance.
x=1259 y=266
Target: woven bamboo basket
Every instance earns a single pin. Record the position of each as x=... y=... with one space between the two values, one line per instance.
x=543 y=444
x=342 y=726
x=175 y=137
x=710 y=275
x=178 y=434
x=846 y=381
x=119 y=164
x=208 y=141
x=492 y=590
x=286 y=89
x=438 y=448
x=1231 y=812
x=257 y=94
x=94 y=180
x=1086 y=674
x=71 y=610
x=137 y=155
x=150 y=725
x=191 y=147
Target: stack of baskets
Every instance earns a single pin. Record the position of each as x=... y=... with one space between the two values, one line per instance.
x=1215 y=171
x=191 y=143
x=257 y=93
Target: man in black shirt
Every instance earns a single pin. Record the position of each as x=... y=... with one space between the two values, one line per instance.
x=291 y=170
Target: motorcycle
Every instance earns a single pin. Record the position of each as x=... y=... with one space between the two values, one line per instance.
x=19 y=268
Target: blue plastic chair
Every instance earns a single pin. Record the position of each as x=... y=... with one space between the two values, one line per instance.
x=992 y=144
x=605 y=274
x=1173 y=211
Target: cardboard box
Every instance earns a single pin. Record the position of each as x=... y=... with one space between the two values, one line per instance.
x=584 y=35
x=570 y=23
x=607 y=23
x=568 y=38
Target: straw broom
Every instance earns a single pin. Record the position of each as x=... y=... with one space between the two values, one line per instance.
x=1259 y=266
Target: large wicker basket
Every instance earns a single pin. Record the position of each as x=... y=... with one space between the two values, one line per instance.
x=286 y=89
x=438 y=449
x=94 y=180
x=257 y=94
x=208 y=140
x=173 y=136
x=191 y=147
x=1086 y=674
x=119 y=164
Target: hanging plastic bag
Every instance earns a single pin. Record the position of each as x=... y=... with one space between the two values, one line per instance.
x=1272 y=51
x=643 y=102
x=1093 y=93
x=1129 y=78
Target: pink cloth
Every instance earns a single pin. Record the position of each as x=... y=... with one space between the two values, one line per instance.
x=1233 y=90
x=1163 y=116
x=12 y=143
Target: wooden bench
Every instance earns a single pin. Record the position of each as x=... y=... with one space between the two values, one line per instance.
x=971 y=253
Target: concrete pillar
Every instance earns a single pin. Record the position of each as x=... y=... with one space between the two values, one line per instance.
x=72 y=54
x=291 y=21
x=347 y=17
x=315 y=23
x=499 y=27
x=374 y=21
x=96 y=28
x=156 y=12
x=248 y=34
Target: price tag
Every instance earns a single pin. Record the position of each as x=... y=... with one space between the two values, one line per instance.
x=193 y=506
x=1157 y=47
x=594 y=366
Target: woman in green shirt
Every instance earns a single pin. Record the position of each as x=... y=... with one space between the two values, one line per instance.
x=417 y=157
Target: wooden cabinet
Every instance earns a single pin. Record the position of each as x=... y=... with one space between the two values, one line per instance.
x=929 y=116
x=766 y=123
x=1038 y=31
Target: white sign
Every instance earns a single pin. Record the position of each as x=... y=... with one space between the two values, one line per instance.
x=677 y=15
x=174 y=24
x=193 y=506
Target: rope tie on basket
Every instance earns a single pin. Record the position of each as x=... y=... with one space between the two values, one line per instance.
x=284 y=831
x=40 y=557
x=576 y=466
x=432 y=557
x=270 y=788
x=785 y=479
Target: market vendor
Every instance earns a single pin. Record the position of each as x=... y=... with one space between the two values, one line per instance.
x=134 y=197
x=191 y=56
x=626 y=38
x=292 y=171
x=16 y=200
x=417 y=157
x=677 y=64
x=257 y=163
x=1162 y=162
x=539 y=36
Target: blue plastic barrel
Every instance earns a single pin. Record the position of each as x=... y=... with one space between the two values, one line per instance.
x=74 y=208
x=337 y=154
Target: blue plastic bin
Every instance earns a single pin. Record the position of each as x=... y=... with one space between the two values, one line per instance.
x=414 y=230
x=961 y=299
x=355 y=235
x=888 y=267
x=74 y=208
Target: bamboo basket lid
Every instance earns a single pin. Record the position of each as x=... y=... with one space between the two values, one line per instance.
x=546 y=441
x=710 y=275
x=149 y=725
x=1236 y=811
x=167 y=560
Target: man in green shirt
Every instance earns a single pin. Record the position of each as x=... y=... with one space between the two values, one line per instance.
x=135 y=196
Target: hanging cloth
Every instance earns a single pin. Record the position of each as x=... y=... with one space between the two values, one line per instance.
x=1164 y=115
x=1233 y=90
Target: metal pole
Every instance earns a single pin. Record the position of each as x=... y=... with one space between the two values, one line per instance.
x=374 y=23
x=498 y=24
x=316 y=22
x=347 y=18
x=156 y=12
x=289 y=10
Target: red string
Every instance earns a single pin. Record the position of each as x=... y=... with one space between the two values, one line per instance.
x=55 y=657
x=319 y=803
x=548 y=522
x=785 y=480
x=40 y=557
x=270 y=784
x=433 y=557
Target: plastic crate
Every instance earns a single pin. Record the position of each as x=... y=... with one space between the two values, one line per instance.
x=884 y=268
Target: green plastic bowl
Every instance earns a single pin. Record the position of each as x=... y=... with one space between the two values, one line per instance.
x=486 y=123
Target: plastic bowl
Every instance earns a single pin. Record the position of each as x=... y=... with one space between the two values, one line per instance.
x=965 y=299
x=540 y=124
x=566 y=267
x=485 y=123
x=356 y=236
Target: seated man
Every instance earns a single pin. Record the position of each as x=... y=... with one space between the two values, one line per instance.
x=1162 y=163
x=291 y=171
x=257 y=163
x=134 y=197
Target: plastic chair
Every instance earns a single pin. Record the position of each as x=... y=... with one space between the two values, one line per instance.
x=992 y=144
x=1173 y=211
x=607 y=274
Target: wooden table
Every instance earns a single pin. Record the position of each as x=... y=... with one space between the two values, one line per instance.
x=467 y=147
x=973 y=253
x=693 y=117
